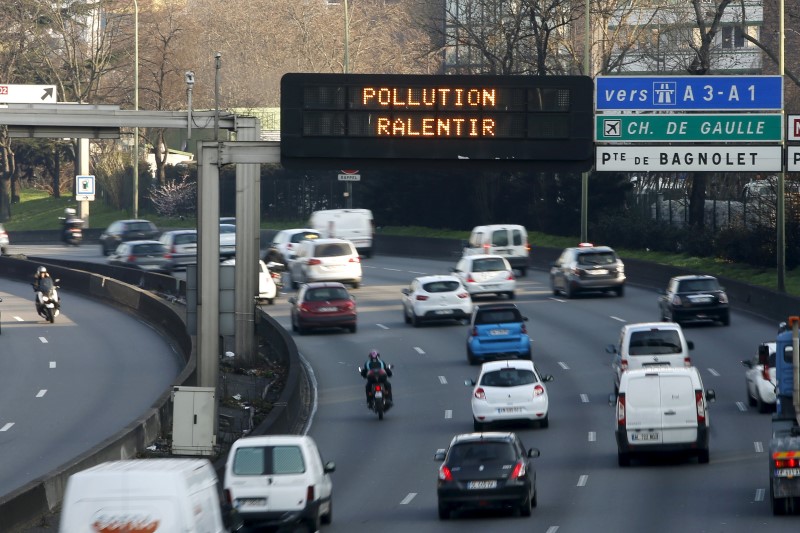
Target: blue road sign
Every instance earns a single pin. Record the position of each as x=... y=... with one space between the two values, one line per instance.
x=688 y=93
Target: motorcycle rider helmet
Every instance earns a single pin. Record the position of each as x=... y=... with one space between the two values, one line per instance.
x=41 y=270
x=373 y=354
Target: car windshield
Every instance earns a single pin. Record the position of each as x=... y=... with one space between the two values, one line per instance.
x=140 y=226
x=508 y=377
x=481 y=453
x=496 y=316
x=654 y=342
x=597 y=258
x=149 y=248
x=297 y=237
x=186 y=238
x=441 y=286
x=331 y=250
x=326 y=294
x=488 y=265
x=697 y=285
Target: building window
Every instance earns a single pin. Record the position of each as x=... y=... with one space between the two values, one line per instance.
x=733 y=37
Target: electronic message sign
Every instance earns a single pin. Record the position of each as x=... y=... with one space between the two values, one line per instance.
x=387 y=119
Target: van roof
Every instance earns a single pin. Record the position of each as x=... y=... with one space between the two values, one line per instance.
x=272 y=440
x=651 y=325
x=499 y=226
x=684 y=370
x=149 y=465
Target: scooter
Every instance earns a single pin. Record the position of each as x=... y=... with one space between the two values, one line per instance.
x=72 y=232
x=48 y=304
x=379 y=400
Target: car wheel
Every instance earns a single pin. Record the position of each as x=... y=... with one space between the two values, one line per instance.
x=525 y=507
x=470 y=357
x=567 y=291
x=444 y=512
x=620 y=291
x=523 y=272
x=327 y=518
x=623 y=459
x=761 y=405
x=406 y=318
x=315 y=523
x=103 y=250
x=553 y=287
x=534 y=499
x=301 y=329
x=751 y=401
x=726 y=319
x=511 y=295
x=544 y=422
x=353 y=328
x=703 y=456
x=415 y=320
x=355 y=284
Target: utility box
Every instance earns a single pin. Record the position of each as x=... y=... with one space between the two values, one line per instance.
x=193 y=420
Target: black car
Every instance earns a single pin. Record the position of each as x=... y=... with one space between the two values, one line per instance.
x=694 y=298
x=486 y=470
x=126 y=230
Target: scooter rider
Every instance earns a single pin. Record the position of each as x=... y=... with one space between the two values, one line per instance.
x=372 y=372
x=42 y=282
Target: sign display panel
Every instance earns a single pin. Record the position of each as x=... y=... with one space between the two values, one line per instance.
x=27 y=94
x=793 y=127
x=689 y=93
x=690 y=158
x=689 y=128
x=793 y=158
x=368 y=117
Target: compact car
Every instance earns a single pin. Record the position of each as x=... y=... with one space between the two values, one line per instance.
x=586 y=268
x=485 y=471
x=497 y=331
x=126 y=230
x=323 y=305
x=326 y=260
x=181 y=248
x=145 y=255
x=760 y=378
x=285 y=242
x=694 y=298
x=510 y=390
x=435 y=298
x=484 y=274
x=227 y=240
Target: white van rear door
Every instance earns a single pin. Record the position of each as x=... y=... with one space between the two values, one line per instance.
x=269 y=478
x=679 y=410
x=643 y=410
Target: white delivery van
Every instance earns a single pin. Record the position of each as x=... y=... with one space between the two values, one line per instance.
x=508 y=240
x=354 y=225
x=279 y=480
x=662 y=409
x=153 y=495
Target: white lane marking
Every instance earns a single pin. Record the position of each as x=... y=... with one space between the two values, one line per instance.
x=552 y=529
x=394 y=269
x=582 y=480
x=7 y=426
x=592 y=436
x=557 y=300
x=407 y=499
x=18 y=318
x=758 y=446
x=618 y=319
x=760 y=495
x=448 y=413
x=52 y=364
x=419 y=350
x=418 y=273
x=443 y=380
x=41 y=393
x=713 y=372
x=742 y=407
x=585 y=398
x=382 y=326
x=44 y=341
x=563 y=365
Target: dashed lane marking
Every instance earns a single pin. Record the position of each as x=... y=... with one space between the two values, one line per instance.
x=44 y=341
x=563 y=365
x=713 y=372
x=618 y=319
x=448 y=413
x=382 y=326
x=582 y=480
x=443 y=380
x=407 y=499
x=742 y=407
x=592 y=436
x=758 y=447
x=41 y=393
x=585 y=398
x=419 y=350
x=52 y=364
x=7 y=426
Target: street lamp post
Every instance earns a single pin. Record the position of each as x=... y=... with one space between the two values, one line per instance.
x=136 y=107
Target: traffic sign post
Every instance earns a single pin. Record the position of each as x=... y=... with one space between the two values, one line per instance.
x=27 y=94
x=703 y=128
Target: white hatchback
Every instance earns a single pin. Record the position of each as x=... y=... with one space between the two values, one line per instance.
x=486 y=274
x=760 y=378
x=440 y=297
x=326 y=260
x=509 y=390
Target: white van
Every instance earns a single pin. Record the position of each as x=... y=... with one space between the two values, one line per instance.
x=508 y=240
x=648 y=345
x=279 y=480
x=662 y=410
x=354 y=225
x=154 y=495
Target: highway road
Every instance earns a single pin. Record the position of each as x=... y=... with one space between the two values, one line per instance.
x=67 y=386
x=386 y=476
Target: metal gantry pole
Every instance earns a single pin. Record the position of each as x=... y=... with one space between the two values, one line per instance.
x=136 y=108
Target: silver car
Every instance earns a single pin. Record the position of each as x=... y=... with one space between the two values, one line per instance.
x=3 y=240
x=181 y=247
x=145 y=255
x=587 y=268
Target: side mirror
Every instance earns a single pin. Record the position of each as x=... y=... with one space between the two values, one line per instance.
x=330 y=466
x=406 y=291
x=747 y=363
x=690 y=344
x=547 y=377
x=525 y=318
x=439 y=455
x=711 y=396
x=611 y=349
x=533 y=453
x=661 y=291
x=469 y=382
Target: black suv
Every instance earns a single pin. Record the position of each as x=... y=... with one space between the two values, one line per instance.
x=481 y=470
x=587 y=268
x=127 y=230
x=694 y=298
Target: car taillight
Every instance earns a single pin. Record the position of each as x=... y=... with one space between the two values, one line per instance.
x=701 y=407
x=313 y=261
x=765 y=373
x=623 y=365
x=676 y=301
x=538 y=390
x=354 y=259
x=486 y=248
x=510 y=276
x=480 y=394
x=445 y=474
x=473 y=332
x=167 y=255
x=470 y=279
x=463 y=295
x=290 y=246
x=421 y=297
x=228 y=496
x=723 y=298
x=519 y=471
x=348 y=306
x=621 y=410
x=687 y=361
x=131 y=259
x=305 y=308
x=310 y=493
x=785 y=459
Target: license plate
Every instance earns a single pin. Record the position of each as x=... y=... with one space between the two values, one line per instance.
x=478 y=485
x=378 y=394
x=502 y=410
x=599 y=272
x=498 y=332
x=644 y=436
x=788 y=472
x=251 y=502
x=327 y=309
x=444 y=312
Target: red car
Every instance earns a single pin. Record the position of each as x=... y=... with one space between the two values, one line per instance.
x=323 y=305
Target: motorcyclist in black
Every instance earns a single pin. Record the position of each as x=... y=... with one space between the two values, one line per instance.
x=42 y=282
x=376 y=370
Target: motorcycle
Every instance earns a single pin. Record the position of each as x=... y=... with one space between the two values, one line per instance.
x=72 y=232
x=380 y=402
x=48 y=304
x=276 y=273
